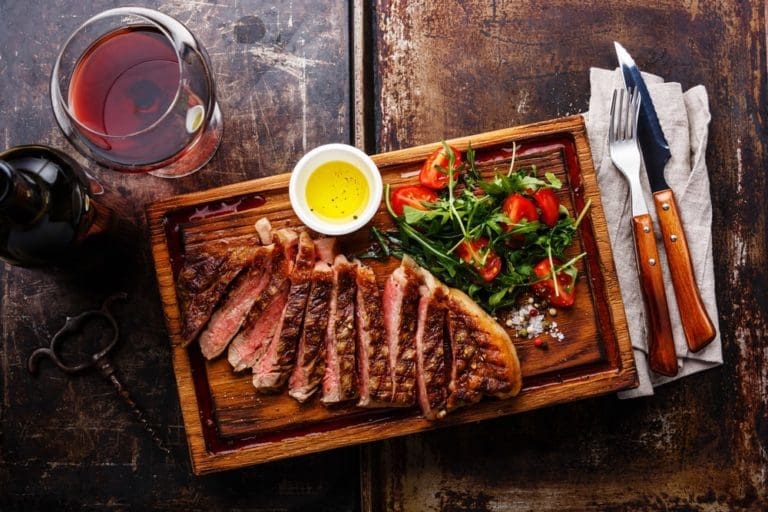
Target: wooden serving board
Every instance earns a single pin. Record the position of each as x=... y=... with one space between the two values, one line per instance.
x=229 y=425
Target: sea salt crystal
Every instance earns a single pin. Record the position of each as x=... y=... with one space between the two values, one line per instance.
x=533 y=325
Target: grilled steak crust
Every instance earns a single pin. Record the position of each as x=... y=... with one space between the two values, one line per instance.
x=484 y=359
x=263 y=318
x=273 y=368
x=227 y=319
x=340 y=380
x=432 y=366
x=310 y=359
x=204 y=278
x=374 y=372
x=401 y=304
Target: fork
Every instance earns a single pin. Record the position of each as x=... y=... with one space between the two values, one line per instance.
x=625 y=154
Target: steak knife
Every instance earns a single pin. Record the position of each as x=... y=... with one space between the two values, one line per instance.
x=697 y=326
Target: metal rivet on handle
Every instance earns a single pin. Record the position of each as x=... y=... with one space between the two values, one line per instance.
x=673 y=238
x=646 y=229
x=651 y=261
x=665 y=206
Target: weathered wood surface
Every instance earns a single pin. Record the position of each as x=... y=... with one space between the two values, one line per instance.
x=446 y=68
x=282 y=70
x=442 y=69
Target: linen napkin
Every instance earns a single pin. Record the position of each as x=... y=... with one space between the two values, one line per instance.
x=684 y=117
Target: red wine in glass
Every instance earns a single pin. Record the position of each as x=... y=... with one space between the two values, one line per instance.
x=122 y=85
x=133 y=89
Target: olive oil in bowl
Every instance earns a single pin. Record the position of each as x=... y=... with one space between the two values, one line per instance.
x=335 y=189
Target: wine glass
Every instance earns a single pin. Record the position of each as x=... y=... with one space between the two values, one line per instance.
x=133 y=90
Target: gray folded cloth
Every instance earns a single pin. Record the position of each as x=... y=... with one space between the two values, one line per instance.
x=684 y=117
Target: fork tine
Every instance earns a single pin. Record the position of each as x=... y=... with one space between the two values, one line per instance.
x=635 y=107
x=611 y=126
x=627 y=117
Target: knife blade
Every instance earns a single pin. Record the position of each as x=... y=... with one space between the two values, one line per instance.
x=698 y=328
x=653 y=143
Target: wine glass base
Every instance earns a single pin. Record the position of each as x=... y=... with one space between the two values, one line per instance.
x=198 y=153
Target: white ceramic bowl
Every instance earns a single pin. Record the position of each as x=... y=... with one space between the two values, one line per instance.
x=328 y=153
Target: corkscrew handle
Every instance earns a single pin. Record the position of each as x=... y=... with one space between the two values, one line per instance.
x=99 y=359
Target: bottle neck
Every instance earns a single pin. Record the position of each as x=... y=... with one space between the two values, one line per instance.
x=22 y=199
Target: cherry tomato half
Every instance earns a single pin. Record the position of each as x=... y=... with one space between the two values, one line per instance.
x=434 y=171
x=518 y=207
x=547 y=202
x=486 y=261
x=545 y=288
x=413 y=196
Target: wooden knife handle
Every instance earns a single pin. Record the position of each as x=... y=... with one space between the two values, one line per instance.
x=697 y=326
x=661 y=345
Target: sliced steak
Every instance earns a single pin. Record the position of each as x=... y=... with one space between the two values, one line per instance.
x=264 y=316
x=400 y=307
x=484 y=359
x=340 y=381
x=326 y=249
x=204 y=278
x=310 y=358
x=432 y=364
x=229 y=317
x=373 y=366
x=272 y=370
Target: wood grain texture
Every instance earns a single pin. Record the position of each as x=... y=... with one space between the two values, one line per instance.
x=697 y=326
x=661 y=345
x=594 y=358
x=699 y=444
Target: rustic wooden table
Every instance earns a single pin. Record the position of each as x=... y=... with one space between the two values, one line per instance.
x=385 y=75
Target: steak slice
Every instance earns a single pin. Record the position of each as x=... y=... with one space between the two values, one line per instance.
x=229 y=317
x=272 y=370
x=484 y=359
x=339 y=381
x=204 y=278
x=432 y=367
x=400 y=307
x=374 y=373
x=264 y=316
x=326 y=250
x=310 y=359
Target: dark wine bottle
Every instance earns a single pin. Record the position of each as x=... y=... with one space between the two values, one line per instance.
x=46 y=209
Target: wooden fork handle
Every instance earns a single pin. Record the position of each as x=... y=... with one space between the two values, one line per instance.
x=661 y=345
x=697 y=326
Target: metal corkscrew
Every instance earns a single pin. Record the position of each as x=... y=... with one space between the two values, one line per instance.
x=99 y=359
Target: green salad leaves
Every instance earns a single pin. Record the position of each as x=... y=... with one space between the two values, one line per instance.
x=483 y=236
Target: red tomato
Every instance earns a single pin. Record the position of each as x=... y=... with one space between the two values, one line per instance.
x=434 y=172
x=547 y=202
x=473 y=252
x=545 y=287
x=518 y=207
x=412 y=196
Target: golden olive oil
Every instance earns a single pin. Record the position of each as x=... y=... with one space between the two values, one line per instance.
x=337 y=192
